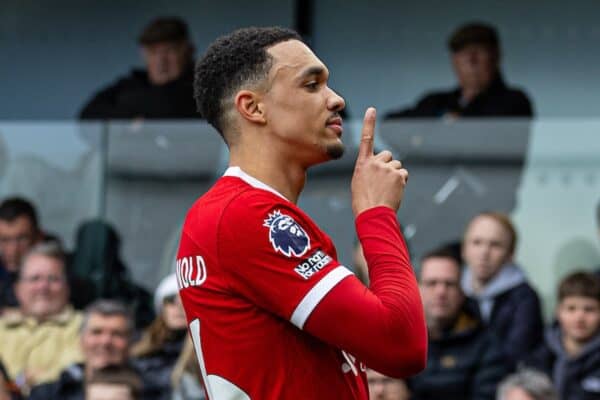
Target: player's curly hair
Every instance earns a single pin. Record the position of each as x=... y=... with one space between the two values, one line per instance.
x=231 y=62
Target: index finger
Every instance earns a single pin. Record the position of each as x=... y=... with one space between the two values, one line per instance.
x=367 y=137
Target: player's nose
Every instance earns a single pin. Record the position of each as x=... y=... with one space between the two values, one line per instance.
x=335 y=102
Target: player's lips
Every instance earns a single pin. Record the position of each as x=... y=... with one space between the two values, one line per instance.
x=336 y=124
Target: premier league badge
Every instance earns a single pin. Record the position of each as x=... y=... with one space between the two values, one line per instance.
x=286 y=235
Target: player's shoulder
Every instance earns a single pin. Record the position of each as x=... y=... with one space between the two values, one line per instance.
x=258 y=204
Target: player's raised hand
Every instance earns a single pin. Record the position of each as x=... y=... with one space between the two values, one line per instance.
x=378 y=179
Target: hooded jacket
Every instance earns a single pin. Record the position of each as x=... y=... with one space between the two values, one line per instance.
x=511 y=309
x=575 y=378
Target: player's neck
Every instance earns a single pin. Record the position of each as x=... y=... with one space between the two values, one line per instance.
x=286 y=178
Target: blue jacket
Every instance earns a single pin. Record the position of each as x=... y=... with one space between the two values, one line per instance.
x=511 y=309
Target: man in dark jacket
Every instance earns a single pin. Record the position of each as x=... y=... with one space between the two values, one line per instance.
x=570 y=353
x=164 y=90
x=19 y=232
x=475 y=54
x=506 y=302
x=464 y=360
x=106 y=335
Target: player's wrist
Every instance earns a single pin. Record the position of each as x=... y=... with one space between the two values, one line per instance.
x=374 y=212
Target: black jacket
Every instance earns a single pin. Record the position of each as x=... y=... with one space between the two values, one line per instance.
x=7 y=292
x=575 y=378
x=465 y=364
x=158 y=367
x=497 y=101
x=134 y=96
x=70 y=386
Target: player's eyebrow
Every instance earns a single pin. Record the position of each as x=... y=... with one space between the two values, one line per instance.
x=310 y=71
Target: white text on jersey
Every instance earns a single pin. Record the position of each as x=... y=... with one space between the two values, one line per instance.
x=190 y=273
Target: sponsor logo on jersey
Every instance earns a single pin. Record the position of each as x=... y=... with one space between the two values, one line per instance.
x=190 y=271
x=313 y=264
x=286 y=235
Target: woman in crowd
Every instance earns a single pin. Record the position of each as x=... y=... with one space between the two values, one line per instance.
x=161 y=343
x=186 y=375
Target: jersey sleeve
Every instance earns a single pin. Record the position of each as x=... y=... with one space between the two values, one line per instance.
x=275 y=256
x=383 y=325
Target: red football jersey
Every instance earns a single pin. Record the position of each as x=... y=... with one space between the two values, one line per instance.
x=251 y=268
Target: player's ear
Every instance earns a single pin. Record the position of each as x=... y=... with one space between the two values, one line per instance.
x=249 y=106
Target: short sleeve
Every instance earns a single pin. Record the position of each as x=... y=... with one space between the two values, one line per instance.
x=276 y=257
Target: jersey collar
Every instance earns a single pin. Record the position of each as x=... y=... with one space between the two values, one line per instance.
x=250 y=180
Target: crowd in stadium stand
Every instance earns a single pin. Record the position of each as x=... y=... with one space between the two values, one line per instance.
x=484 y=323
x=76 y=326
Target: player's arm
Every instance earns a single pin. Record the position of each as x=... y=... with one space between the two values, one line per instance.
x=384 y=325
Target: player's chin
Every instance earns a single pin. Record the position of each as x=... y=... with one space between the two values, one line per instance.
x=335 y=150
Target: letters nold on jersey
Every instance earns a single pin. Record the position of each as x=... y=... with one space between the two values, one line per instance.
x=190 y=271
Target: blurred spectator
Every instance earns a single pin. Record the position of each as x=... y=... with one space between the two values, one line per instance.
x=114 y=383
x=97 y=262
x=464 y=360
x=526 y=384
x=19 y=231
x=570 y=353
x=40 y=338
x=105 y=340
x=507 y=303
x=186 y=377
x=382 y=387
x=164 y=90
x=8 y=389
x=481 y=92
x=161 y=344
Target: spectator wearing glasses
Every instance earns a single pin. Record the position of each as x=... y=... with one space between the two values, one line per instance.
x=157 y=352
x=464 y=361
x=41 y=337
